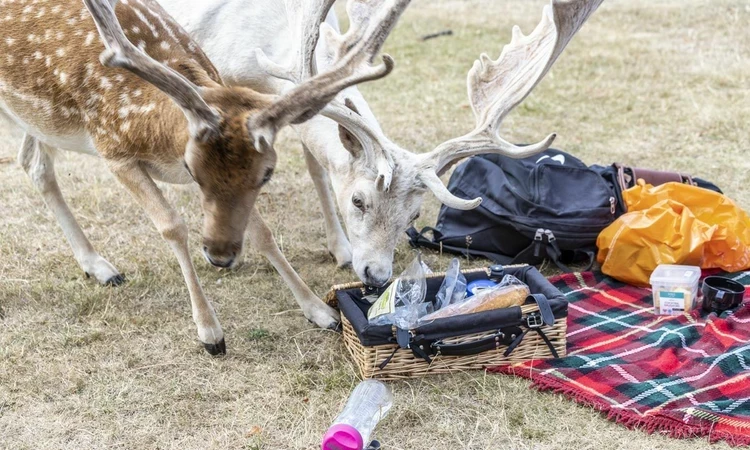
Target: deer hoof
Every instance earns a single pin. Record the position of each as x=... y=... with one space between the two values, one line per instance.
x=333 y=326
x=105 y=273
x=323 y=316
x=216 y=349
x=115 y=280
x=341 y=251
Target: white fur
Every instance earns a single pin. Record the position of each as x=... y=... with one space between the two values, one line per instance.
x=390 y=184
x=229 y=31
x=78 y=141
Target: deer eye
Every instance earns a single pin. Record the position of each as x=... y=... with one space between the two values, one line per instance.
x=267 y=176
x=358 y=202
x=415 y=217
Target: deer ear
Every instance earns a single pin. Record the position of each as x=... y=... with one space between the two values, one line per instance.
x=350 y=143
x=348 y=140
x=262 y=134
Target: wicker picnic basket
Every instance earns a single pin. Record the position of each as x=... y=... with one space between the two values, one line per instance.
x=445 y=346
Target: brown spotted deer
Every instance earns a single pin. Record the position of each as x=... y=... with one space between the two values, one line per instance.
x=156 y=109
x=378 y=185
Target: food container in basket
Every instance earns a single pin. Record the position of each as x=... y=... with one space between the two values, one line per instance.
x=535 y=330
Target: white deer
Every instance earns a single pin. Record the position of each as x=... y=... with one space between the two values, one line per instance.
x=378 y=185
x=159 y=110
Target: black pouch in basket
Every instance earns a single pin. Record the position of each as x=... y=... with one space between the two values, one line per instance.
x=510 y=325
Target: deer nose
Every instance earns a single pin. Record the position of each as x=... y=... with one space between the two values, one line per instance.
x=219 y=261
x=374 y=279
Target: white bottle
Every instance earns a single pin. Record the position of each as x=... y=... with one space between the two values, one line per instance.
x=367 y=405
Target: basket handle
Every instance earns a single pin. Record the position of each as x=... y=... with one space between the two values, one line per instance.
x=501 y=338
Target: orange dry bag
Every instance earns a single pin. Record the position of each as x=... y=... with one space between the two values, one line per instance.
x=674 y=224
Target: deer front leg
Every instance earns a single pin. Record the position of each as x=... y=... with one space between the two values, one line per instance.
x=315 y=310
x=338 y=244
x=38 y=161
x=174 y=231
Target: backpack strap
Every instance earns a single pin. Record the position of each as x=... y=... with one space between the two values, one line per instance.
x=534 y=253
x=418 y=239
x=554 y=253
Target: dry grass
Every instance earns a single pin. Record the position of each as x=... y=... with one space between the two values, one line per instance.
x=662 y=84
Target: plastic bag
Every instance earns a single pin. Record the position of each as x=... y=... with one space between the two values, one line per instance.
x=674 y=223
x=453 y=288
x=403 y=303
x=509 y=292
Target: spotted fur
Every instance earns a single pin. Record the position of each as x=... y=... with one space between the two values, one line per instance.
x=54 y=87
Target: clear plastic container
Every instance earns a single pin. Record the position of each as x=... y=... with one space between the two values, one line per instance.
x=675 y=289
x=368 y=404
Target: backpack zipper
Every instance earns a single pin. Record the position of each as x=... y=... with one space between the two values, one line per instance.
x=539 y=241
x=538 y=238
x=612 y=205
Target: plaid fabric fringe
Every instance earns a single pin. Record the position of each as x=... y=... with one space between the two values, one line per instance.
x=686 y=376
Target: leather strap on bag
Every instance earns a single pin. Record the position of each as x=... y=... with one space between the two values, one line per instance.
x=544 y=246
x=627 y=177
x=535 y=322
x=499 y=338
x=516 y=342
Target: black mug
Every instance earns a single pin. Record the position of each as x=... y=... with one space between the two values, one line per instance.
x=721 y=294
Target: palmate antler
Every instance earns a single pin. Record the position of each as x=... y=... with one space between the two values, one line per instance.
x=496 y=87
x=313 y=90
x=353 y=66
x=349 y=61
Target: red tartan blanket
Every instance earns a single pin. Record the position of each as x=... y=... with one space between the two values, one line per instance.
x=686 y=376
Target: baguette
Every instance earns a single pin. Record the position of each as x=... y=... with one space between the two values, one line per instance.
x=497 y=298
x=505 y=297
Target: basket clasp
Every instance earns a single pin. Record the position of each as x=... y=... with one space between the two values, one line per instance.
x=534 y=321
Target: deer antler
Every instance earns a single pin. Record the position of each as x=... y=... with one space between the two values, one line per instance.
x=361 y=14
x=350 y=61
x=305 y=17
x=371 y=139
x=121 y=53
x=496 y=87
x=354 y=66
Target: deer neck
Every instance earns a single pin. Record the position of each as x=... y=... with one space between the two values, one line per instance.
x=149 y=128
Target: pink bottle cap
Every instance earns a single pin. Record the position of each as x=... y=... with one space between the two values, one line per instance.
x=342 y=437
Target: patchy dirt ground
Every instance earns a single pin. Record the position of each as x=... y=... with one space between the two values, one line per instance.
x=662 y=84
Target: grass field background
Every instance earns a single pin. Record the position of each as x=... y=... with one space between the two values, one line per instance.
x=663 y=84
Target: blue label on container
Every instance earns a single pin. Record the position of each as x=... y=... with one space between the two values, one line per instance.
x=671 y=303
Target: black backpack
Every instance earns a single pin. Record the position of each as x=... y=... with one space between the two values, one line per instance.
x=548 y=206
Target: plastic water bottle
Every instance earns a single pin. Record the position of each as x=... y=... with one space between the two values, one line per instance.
x=368 y=404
